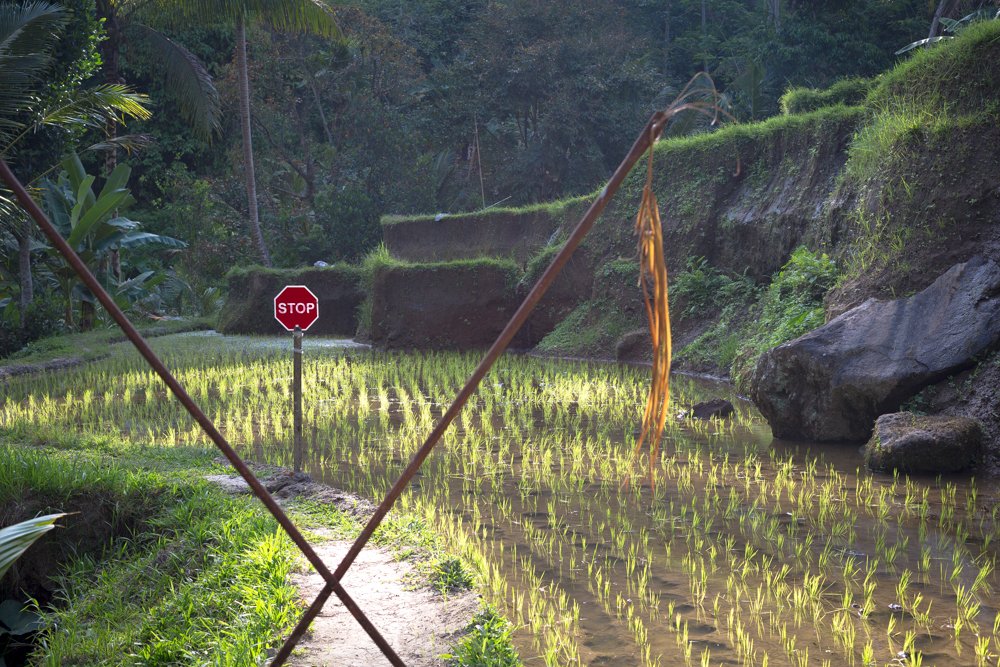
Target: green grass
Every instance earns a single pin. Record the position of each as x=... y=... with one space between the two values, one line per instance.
x=591 y=329
x=96 y=343
x=848 y=92
x=488 y=643
x=735 y=135
x=291 y=274
x=953 y=84
x=207 y=574
x=959 y=75
x=554 y=207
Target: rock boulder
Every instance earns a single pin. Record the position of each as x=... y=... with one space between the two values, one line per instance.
x=832 y=383
x=925 y=444
x=717 y=408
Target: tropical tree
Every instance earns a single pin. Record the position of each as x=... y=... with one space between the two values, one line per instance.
x=283 y=15
x=128 y=25
x=92 y=226
x=311 y=16
x=46 y=52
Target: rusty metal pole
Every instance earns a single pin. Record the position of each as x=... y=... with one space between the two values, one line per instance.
x=297 y=397
x=32 y=208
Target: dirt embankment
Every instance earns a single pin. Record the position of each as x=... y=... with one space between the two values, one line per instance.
x=743 y=198
x=251 y=292
x=512 y=234
x=896 y=190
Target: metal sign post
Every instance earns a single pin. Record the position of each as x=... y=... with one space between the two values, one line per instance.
x=296 y=308
x=297 y=396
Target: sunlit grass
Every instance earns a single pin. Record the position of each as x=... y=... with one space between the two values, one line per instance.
x=739 y=553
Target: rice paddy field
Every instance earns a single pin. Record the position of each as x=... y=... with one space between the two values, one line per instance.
x=740 y=550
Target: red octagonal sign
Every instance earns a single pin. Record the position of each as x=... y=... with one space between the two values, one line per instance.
x=296 y=306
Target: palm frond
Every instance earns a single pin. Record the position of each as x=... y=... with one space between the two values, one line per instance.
x=312 y=16
x=127 y=142
x=27 y=35
x=186 y=77
x=29 y=28
x=15 y=540
x=93 y=107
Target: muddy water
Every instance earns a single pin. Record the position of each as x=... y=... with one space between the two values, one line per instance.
x=737 y=505
x=746 y=551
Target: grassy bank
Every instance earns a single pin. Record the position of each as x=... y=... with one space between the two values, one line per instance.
x=207 y=574
x=94 y=344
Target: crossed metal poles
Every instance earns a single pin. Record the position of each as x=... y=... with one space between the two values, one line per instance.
x=333 y=586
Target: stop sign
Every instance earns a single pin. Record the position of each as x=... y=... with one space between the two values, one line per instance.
x=296 y=306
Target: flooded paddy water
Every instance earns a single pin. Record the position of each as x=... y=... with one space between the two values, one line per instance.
x=743 y=550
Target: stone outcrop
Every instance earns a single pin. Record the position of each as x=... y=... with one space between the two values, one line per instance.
x=914 y=443
x=832 y=383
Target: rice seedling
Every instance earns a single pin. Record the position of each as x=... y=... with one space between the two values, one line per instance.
x=765 y=555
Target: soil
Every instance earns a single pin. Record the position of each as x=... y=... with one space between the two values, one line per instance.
x=418 y=623
x=14 y=370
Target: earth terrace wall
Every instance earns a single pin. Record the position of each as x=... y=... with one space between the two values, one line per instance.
x=743 y=197
x=249 y=307
x=445 y=305
x=517 y=234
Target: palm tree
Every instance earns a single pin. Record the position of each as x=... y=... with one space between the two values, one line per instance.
x=127 y=24
x=311 y=16
x=28 y=34
x=284 y=15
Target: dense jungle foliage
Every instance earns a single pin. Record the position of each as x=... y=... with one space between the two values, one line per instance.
x=390 y=107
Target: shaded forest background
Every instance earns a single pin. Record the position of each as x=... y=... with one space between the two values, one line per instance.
x=421 y=106
x=431 y=105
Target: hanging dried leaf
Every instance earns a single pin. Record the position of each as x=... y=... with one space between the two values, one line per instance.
x=699 y=95
x=653 y=280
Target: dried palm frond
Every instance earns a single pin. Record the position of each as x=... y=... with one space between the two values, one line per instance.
x=653 y=269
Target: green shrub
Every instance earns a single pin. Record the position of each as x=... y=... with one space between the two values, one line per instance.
x=701 y=288
x=792 y=306
x=450 y=576
x=488 y=643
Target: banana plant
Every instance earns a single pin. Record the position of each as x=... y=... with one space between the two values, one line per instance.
x=92 y=225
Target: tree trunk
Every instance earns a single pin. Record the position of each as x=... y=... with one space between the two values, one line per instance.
x=109 y=49
x=88 y=314
x=251 y=179
x=666 y=39
x=944 y=7
x=774 y=9
x=704 y=35
x=24 y=268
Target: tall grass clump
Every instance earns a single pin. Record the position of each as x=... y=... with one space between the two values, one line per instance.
x=158 y=568
x=849 y=92
x=954 y=82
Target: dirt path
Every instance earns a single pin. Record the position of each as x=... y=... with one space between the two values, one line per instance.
x=419 y=624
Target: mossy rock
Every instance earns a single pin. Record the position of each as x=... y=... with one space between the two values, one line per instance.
x=914 y=443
